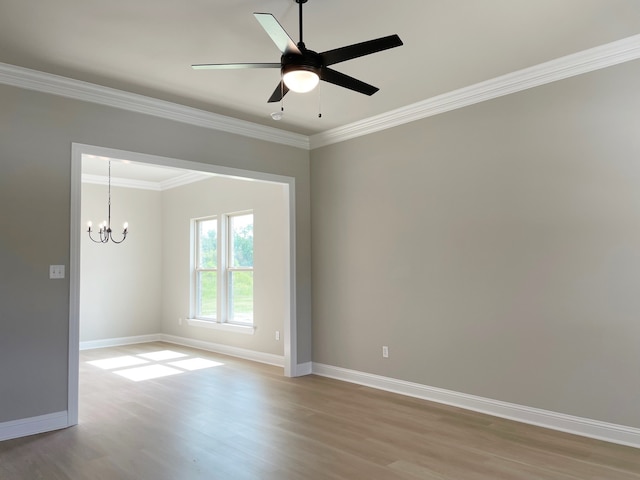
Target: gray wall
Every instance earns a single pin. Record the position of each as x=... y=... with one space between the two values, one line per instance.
x=120 y=285
x=36 y=133
x=494 y=249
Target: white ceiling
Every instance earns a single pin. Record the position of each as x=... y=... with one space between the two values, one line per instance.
x=147 y=47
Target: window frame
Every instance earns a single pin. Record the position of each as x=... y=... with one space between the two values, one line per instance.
x=196 y=300
x=230 y=269
x=224 y=269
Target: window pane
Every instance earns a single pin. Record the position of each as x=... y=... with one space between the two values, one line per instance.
x=207 y=294
x=241 y=244
x=208 y=243
x=241 y=296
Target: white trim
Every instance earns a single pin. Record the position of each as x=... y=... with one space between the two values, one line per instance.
x=260 y=357
x=304 y=369
x=74 y=286
x=33 y=425
x=207 y=168
x=290 y=297
x=596 y=58
x=76 y=89
x=543 y=418
x=561 y=68
x=227 y=327
x=116 y=342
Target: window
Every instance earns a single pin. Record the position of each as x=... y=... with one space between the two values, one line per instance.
x=240 y=269
x=223 y=269
x=206 y=268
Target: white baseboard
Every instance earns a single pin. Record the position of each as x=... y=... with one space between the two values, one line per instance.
x=268 y=358
x=115 y=342
x=585 y=427
x=304 y=369
x=33 y=425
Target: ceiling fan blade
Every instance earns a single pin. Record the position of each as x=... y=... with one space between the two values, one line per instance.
x=233 y=66
x=280 y=91
x=338 y=55
x=278 y=34
x=342 y=80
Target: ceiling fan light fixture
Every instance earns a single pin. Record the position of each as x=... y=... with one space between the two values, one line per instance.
x=300 y=80
x=302 y=69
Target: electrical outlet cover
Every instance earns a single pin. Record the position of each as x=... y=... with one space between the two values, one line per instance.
x=56 y=271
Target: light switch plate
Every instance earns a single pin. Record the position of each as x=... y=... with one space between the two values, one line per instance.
x=56 y=271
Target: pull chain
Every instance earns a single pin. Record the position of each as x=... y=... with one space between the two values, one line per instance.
x=281 y=93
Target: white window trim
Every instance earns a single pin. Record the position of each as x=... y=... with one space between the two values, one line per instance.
x=195 y=245
x=221 y=321
x=226 y=327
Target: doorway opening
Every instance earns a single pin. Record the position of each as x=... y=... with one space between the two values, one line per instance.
x=287 y=186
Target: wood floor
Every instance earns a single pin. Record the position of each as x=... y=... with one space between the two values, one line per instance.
x=241 y=420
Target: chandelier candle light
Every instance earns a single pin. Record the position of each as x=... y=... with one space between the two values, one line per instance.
x=105 y=227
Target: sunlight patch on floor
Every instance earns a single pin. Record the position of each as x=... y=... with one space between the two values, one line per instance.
x=162 y=355
x=153 y=365
x=117 y=362
x=148 y=372
x=195 y=364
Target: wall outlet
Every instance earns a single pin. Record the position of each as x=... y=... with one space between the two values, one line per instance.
x=385 y=351
x=56 y=271
x=180 y=321
x=277 y=335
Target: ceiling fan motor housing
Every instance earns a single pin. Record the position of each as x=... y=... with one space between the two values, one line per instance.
x=308 y=60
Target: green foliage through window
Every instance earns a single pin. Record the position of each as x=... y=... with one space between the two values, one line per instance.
x=241 y=227
x=208 y=243
x=240 y=280
x=206 y=268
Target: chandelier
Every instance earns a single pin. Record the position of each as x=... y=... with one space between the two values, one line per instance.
x=104 y=233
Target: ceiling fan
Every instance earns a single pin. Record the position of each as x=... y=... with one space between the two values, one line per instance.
x=302 y=68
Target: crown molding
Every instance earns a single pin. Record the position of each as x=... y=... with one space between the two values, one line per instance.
x=79 y=90
x=561 y=68
x=185 y=179
x=120 y=182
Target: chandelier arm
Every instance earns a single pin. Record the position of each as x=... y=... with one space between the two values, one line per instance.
x=115 y=241
x=91 y=237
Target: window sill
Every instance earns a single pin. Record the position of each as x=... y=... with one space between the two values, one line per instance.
x=226 y=327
